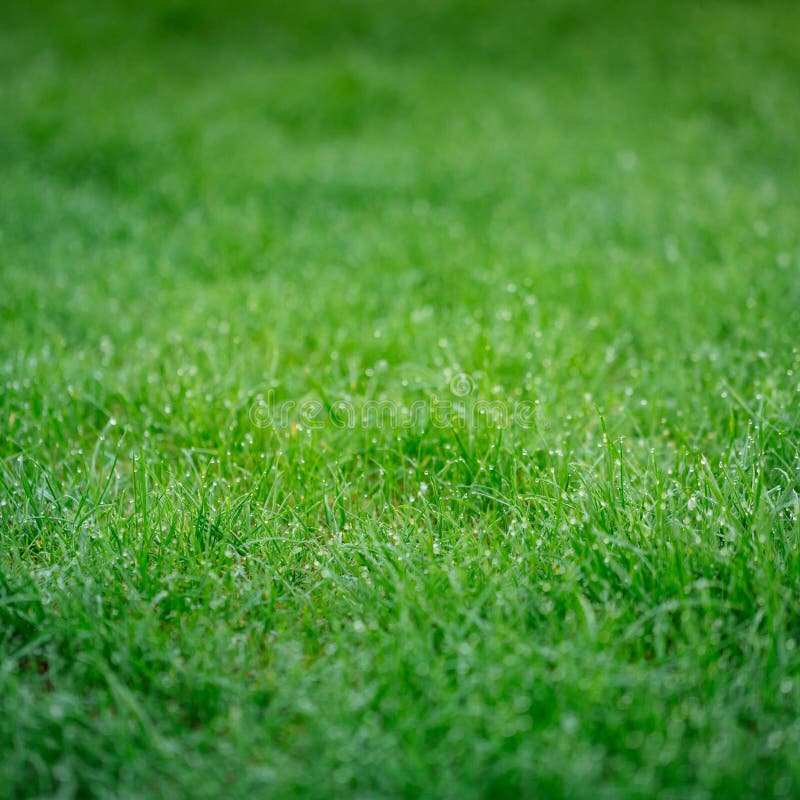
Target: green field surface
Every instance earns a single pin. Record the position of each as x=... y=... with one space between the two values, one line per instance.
x=400 y=399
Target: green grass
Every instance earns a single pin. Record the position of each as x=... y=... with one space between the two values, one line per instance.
x=587 y=208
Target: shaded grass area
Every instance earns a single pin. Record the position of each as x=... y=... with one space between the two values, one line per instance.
x=590 y=209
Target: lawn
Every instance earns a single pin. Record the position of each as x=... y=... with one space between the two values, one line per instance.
x=400 y=400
